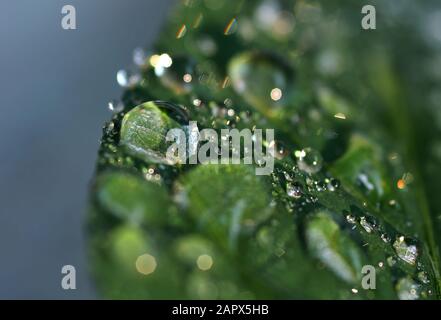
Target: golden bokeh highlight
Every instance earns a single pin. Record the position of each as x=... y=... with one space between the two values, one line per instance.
x=276 y=94
x=146 y=264
x=204 y=262
x=401 y=184
x=181 y=32
x=340 y=115
x=187 y=78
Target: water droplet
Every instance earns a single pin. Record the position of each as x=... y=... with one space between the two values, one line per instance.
x=280 y=150
x=333 y=184
x=385 y=238
x=197 y=102
x=294 y=190
x=309 y=160
x=320 y=186
x=367 y=226
x=407 y=289
x=264 y=81
x=422 y=276
x=406 y=252
x=392 y=203
x=144 y=129
x=109 y=130
x=350 y=218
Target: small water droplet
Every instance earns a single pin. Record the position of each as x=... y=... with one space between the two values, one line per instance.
x=350 y=218
x=385 y=238
x=422 y=276
x=367 y=226
x=332 y=184
x=294 y=190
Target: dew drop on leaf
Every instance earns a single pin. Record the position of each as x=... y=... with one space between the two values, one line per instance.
x=309 y=160
x=294 y=190
x=144 y=129
x=367 y=226
x=406 y=252
x=263 y=80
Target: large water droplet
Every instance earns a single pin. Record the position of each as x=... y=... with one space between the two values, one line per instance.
x=309 y=160
x=366 y=224
x=406 y=252
x=350 y=219
x=144 y=129
x=263 y=80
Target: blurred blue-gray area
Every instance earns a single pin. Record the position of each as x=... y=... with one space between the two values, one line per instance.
x=54 y=89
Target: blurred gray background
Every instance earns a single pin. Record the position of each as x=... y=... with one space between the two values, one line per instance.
x=54 y=89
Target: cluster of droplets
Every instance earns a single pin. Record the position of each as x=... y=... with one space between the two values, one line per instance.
x=180 y=74
x=406 y=250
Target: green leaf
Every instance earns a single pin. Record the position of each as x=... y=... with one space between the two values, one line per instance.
x=354 y=182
